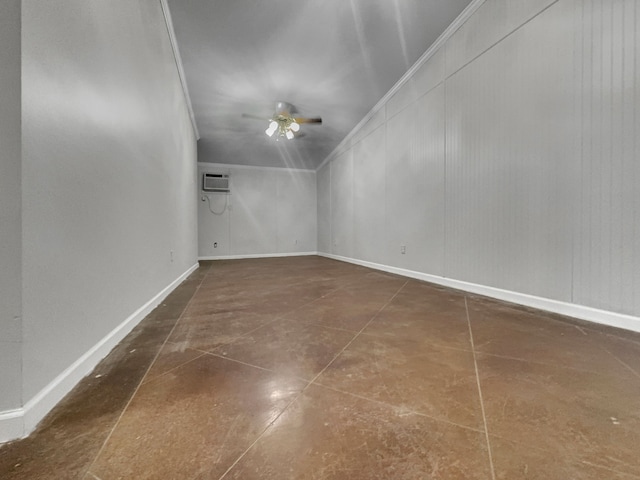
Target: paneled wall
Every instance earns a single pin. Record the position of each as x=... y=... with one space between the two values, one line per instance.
x=607 y=241
x=270 y=211
x=507 y=163
x=511 y=160
x=10 y=210
x=108 y=204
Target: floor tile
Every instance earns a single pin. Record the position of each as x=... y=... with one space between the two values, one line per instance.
x=194 y=420
x=345 y=309
x=575 y=414
x=285 y=300
x=377 y=284
x=506 y=330
x=444 y=329
x=67 y=441
x=432 y=298
x=172 y=355
x=411 y=374
x=519 y=461
x=330 y=435
x=422 y=311
x=260 y=299
x=207 y=332
x=626 y=352
x=216 y=379
x=288 y=347
x=58 y=453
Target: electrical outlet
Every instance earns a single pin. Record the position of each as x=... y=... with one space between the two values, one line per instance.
x=403 y=249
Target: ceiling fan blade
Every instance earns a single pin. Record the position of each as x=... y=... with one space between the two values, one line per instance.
x=308 y=120
x=255 y=117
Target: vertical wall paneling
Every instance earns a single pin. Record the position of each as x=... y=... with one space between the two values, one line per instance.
x=376 y=120
x=10 y=214
x=369 y=197
x=428 y=76
x=493 y=21
x=324 y=208
x=270 y=211
x=296 y=212
x=253 y=219
x=415 y=167
x=342 y=205
x=510 y=164
x=607 y=258
x=429 y=147
x=512 y=154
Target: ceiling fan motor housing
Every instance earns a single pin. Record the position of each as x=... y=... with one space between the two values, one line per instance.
x=283 y=108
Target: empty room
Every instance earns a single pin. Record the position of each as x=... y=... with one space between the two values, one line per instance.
x=363 y=239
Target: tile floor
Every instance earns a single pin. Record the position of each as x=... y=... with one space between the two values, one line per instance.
x=308 y=368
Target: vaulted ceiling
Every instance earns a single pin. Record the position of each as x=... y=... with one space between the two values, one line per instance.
x=330 y=58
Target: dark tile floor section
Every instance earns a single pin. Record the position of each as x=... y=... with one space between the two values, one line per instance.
x=308 y=368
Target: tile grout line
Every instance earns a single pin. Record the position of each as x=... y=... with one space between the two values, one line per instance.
x=106 y=440
x=260 y=436
x=308 y=385
x=224 y=357
x=578 y=459
x=283 y=316
x=389 y=405
x=280 y=316
x=556 y=365
x=330 y=292
x=622 y=362
x=484 y=417
x=358 y=333
x=276 y=318
x=396 y=407
x=145 y=381
x=586 y=462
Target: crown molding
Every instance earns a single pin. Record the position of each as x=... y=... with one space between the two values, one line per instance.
x=178 y=59
x=253 y=167
x=439 y=43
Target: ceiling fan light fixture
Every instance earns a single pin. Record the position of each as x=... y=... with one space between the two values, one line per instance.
x=283 y=123
x=273 y=126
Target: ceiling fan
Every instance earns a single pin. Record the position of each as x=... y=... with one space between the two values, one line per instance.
x=283 y=121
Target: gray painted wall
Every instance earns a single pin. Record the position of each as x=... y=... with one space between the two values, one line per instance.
x=109 y=175
x=271 y=211
x=508 y=160
x=10 y=208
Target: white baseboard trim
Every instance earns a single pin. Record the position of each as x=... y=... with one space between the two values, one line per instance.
x=11 y=424
x=21 y=422
x=258 y=255
x=603 y=317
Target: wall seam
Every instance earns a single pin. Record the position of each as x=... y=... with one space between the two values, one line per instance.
x=439 y=43
x=409 y=105
x=445 y=252
x=501 y=39
x=166 y=13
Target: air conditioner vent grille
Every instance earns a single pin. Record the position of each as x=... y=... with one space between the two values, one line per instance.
x=214 y=182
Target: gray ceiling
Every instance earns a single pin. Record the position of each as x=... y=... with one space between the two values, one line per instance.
x=330 y=58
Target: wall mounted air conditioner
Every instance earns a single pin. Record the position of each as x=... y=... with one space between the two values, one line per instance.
x=215 y=182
